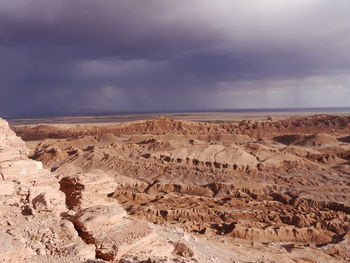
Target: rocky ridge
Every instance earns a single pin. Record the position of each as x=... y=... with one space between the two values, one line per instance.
x=162 y=125
x=31 y=226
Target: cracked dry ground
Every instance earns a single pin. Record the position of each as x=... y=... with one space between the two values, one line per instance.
x=257 y=185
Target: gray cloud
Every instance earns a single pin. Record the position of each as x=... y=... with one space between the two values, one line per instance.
x=135 y=55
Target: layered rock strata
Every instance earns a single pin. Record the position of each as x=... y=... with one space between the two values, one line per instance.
x=43 y=219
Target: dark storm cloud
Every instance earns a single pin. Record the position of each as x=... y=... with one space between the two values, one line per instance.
x=84 y=55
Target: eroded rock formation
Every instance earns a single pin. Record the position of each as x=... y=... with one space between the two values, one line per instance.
x=31 y=226
x=43 y=219
x=251 y=191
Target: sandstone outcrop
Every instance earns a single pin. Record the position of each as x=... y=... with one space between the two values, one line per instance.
x=31 y=226
x=85 y=190
x=102 y=222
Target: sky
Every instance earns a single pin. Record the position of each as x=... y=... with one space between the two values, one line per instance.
x=85 y=56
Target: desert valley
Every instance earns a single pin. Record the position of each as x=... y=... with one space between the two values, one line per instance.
x=157 y=131
x=166 y=190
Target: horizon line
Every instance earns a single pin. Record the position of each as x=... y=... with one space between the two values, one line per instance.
x=73 y=114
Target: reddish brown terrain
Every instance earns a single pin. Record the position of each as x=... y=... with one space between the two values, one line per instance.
x=250 y=191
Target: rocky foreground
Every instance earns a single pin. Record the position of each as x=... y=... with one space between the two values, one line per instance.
x=44 y=218
x=177 y=191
